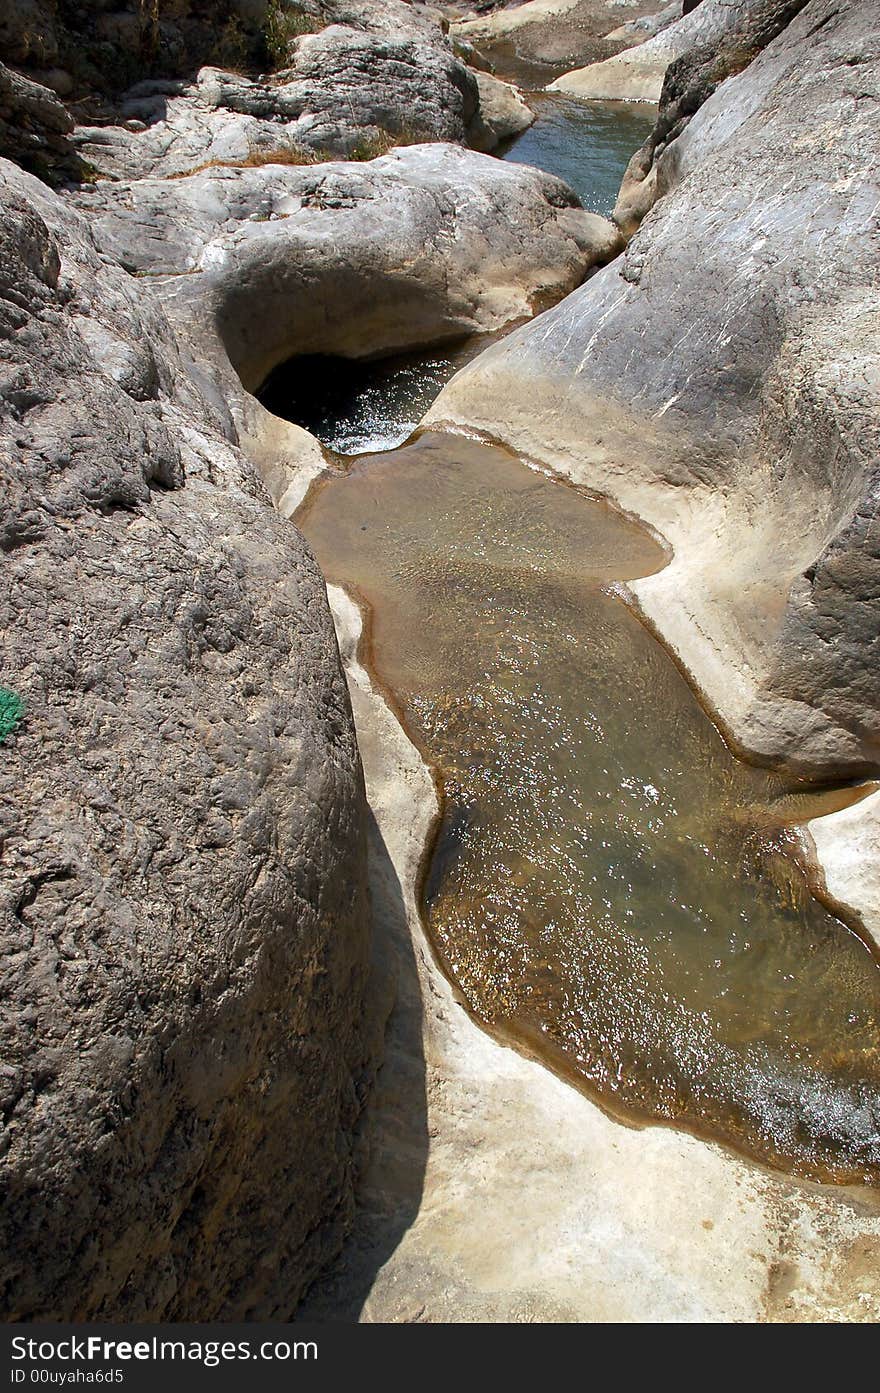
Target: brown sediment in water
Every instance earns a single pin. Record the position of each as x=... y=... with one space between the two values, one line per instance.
x=610 y=889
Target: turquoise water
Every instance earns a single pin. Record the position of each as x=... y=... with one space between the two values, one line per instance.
x=588 y=144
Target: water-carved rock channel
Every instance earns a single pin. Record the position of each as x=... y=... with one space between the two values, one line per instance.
x=611 y=889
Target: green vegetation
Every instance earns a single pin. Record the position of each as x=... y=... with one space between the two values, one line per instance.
x=284 y=23
x=11 y=712
x=373 y=144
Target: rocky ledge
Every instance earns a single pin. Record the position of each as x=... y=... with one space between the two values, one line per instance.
x=348 y=80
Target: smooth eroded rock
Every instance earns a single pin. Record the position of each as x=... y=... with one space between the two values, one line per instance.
x=721 y=380
x=637 y=74
x=428 y=244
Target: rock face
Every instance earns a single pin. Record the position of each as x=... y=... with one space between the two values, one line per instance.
x=186 y=1043
x=188 y=1032
x=503 y=113
x=721 y=380
x=689 y=81
x=354 y=79
x=377 y=77
x=107 y=44
x=638 y=73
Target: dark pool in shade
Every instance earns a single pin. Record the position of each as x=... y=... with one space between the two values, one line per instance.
x=611 y=889
x=588 y=144
x=355 y=406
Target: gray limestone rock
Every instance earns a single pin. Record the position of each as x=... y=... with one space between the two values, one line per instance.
x=428 y=243
x=638 y=73
x=351 y=90
x=186 y=1041
x=34 y=126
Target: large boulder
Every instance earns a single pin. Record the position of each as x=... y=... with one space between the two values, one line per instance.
x=186 y=1038
x=722 y=381
x=258 y=265
x=373 y=78
x=523 y=39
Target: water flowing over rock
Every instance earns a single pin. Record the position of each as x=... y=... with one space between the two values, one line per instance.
x=186 y=1043
x=721 y=381
x=203 y=921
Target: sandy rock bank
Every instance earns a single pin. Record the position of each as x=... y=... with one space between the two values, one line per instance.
x=638 y=73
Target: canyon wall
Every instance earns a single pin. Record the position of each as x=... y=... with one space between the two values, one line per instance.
x=191 y=1017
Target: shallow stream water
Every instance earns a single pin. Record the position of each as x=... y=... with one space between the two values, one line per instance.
x=588 y=144
x=610 y=887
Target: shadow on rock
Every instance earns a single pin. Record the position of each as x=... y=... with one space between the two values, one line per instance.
x=395 y=1140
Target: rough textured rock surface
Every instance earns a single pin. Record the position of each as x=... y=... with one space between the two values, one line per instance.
x=256 y=265
x=502 y=113
x=355 y=78
x=721 y=380
x=372 y=78
x=108 y=44
x=34 y=126
x=636 y=31
x=638 y=73
x=185 y=945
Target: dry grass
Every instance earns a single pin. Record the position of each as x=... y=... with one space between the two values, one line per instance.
x=291 y=155
x=369 y=147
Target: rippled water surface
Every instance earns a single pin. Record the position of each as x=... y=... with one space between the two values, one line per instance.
x=610 y=887
x=357 y=407
x=588 y=144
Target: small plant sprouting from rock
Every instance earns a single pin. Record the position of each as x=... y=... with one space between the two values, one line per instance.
x=377 y=142
x=11 y=712
x=284 y=23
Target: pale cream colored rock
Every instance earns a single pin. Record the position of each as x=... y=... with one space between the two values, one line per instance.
x=256 y=265
x=847 y=846
x=636 y=75
x=503 y=22
x=503 y=113
x=690 y=383
x=627 y=77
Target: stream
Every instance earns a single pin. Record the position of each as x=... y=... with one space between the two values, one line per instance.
x=611 y=889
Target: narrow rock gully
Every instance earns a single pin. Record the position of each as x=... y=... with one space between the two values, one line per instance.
x=610 y=889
